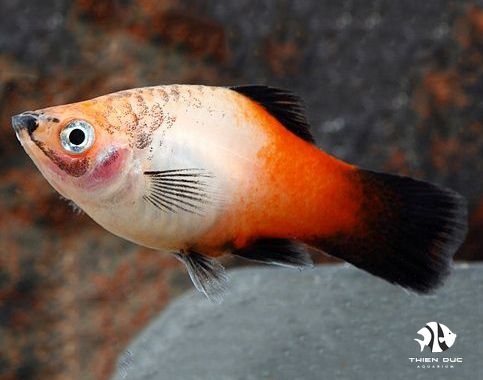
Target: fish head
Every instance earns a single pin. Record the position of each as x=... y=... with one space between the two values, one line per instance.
x=75 y=149
x=448 y=337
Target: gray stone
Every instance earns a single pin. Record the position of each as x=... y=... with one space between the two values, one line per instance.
x=332 y=322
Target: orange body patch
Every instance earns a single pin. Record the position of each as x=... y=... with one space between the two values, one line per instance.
x=299 y=192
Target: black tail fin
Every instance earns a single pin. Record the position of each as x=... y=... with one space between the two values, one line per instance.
x=409 y=231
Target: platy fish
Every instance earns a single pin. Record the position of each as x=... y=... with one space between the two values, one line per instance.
x=436 y=336
x=202 y=171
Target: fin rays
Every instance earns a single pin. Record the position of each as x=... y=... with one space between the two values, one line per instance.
x=206 y=273
x=178 y=190
x=284 y=105
x=282 y=252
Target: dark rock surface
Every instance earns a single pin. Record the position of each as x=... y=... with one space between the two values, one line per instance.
x=333 y=322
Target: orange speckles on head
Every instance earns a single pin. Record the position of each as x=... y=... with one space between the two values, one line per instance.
x=136 y=113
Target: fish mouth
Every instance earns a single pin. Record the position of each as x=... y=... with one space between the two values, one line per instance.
x=24 y=125
x=26 y=121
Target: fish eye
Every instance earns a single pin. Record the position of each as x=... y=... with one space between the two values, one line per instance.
x=77 y=136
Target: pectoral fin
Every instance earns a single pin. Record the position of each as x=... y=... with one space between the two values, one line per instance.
x=177 y=190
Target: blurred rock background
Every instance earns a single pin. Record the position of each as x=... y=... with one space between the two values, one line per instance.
x=390 y=85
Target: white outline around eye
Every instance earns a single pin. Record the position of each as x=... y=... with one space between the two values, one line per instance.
x=86 y=144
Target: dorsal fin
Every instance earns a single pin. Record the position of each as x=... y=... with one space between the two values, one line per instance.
x=284 y=105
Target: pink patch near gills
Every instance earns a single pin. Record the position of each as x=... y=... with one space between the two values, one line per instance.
x=108 y=167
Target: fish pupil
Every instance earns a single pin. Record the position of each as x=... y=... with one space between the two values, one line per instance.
x=77 y=136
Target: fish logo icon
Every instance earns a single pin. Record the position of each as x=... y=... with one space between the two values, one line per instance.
x=436 y=336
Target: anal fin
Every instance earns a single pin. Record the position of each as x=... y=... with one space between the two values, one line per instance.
x=207 y=274
x=283 y=252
